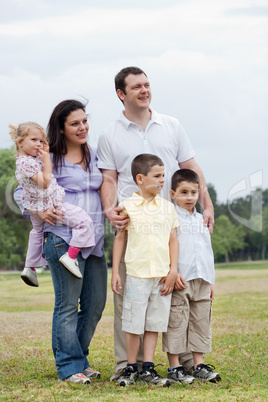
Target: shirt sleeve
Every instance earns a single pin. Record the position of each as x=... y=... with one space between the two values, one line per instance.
x=185 y=148
x=175 y=219
x=105 y=154
x=27 y=168
x=17 y=198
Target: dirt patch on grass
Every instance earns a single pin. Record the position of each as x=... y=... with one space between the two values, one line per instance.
x=241 y=281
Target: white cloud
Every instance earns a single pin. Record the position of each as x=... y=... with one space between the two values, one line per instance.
x=207 y=62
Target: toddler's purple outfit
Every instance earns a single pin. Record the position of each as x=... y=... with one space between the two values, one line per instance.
x=36 y=199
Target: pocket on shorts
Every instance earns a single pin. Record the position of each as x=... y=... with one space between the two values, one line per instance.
x=178 y=312
x=126 y=315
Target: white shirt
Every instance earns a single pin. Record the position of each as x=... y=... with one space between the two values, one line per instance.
x=196 y=259
x=123 y=140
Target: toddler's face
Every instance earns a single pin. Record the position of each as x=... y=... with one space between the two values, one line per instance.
x=31 y=144
x=186 y=195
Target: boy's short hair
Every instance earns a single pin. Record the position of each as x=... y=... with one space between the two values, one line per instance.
x=184 y=175
x=143 y=163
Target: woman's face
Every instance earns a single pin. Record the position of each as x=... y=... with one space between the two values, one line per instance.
x=76 y=128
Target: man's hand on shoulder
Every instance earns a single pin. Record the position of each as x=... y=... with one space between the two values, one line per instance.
x=118 y=218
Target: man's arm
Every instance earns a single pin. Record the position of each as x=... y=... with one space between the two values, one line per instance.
x=108 y=195
x=204 y=198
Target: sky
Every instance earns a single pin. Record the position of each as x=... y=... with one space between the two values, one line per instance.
x=207 y=63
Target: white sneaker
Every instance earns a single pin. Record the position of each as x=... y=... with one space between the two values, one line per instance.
x=29 y=276
x=71 y=265
x=78 y=378
x=90 y=373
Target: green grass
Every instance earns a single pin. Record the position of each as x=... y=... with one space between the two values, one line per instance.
x=240 y=324
x=256 y=265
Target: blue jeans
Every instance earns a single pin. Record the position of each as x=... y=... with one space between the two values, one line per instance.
x=72 y=330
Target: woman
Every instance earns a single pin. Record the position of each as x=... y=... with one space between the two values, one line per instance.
x=79 y=303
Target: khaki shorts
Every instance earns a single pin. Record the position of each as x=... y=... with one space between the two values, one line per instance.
x=189 y=327
x=144 y=309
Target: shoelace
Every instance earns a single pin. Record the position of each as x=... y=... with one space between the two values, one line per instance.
x=153 y=371
x=182 y=370
x=208 y=367
x=127 y=371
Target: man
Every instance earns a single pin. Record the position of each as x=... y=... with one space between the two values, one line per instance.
x=140 y=130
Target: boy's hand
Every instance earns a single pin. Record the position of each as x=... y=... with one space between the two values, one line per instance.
x=180 y=282
x=169 y=282
x=116 y=282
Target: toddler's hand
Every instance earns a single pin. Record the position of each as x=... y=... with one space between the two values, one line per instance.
x=44 y=155
x=46 y=147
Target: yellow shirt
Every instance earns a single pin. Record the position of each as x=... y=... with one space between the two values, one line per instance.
x=147 y=253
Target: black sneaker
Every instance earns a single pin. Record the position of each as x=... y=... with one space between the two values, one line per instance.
x=204 y=372
x=151 y=376
x=179 y=374
x=128 y=377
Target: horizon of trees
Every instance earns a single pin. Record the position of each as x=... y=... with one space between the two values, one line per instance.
x=231 y=240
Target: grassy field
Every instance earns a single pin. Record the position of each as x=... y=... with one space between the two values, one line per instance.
x=240 y=328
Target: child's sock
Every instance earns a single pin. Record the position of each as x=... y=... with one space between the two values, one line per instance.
x=134 y=365
x=171 y=368
x=146 y=366
x=32 y=268
x=73 y=251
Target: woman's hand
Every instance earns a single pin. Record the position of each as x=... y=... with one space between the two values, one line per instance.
x=51 y=216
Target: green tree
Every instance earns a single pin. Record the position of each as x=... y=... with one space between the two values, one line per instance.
x=14 y=229
x=259 y=239
x=226 y=238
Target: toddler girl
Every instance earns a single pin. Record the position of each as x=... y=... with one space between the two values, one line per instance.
x=40 y=192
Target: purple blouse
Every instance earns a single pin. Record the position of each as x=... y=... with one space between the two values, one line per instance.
x=81 y=189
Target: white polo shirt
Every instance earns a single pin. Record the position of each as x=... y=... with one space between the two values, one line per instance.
x=196 y=259
x=123 y=140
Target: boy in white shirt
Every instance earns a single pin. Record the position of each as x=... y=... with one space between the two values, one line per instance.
x=151 y=264
x=189 y=326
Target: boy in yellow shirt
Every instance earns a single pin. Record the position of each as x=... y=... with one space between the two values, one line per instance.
x=151 y=266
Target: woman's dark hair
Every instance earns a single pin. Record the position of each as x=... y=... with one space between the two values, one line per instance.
x=55 y=129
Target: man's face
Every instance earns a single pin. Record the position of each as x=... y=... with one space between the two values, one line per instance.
x=137 y=92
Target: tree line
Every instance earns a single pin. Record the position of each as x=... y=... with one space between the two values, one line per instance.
x=231 y=240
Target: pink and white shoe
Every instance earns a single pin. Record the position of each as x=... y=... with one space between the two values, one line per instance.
x=71 y=264
x=90 y=373
x=78 y=378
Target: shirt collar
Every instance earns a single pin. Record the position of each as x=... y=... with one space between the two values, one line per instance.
x=155 y=118
x=139 y=200
x=183 y=212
